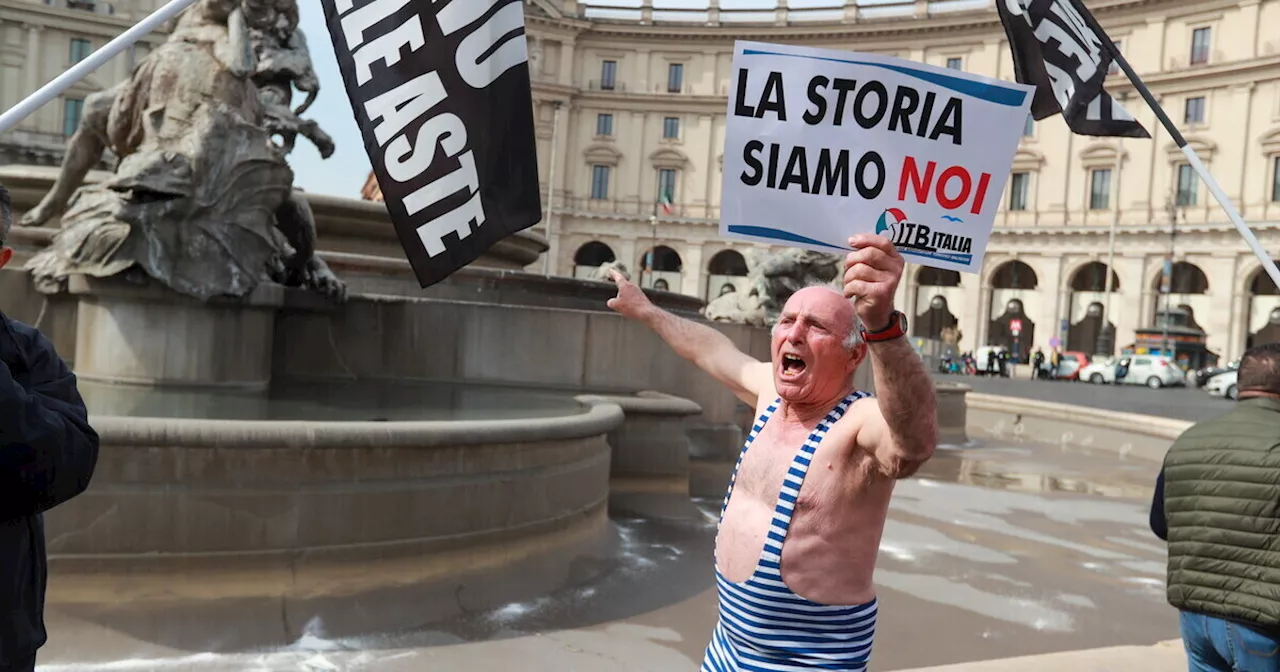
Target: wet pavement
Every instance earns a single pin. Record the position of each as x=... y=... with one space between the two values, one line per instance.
x=990 y=552
x=1182 y=403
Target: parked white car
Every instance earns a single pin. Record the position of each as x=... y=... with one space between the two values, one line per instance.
x=1224 y=385
x=1154 y=371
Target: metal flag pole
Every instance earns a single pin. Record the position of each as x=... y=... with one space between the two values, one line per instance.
x=14 y=115
x=552 y=245
x=1223 y=200
x=1108 y=325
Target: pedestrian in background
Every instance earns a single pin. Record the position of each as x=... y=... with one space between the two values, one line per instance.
x=48 y=453
x=1217 y=503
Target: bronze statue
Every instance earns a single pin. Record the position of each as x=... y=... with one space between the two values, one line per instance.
x=202 y=199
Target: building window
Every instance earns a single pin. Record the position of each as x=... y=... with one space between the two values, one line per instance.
x=1100 y=189
x=80 y=49
x=1195 y=110
x=1200 y=46
x=1029 y=127
x=1275 y=179
x=675 y=77
x=1018 y=191
x=604 y=124
x=608 y=75
x=955 y=63
x=1187 y=183
x=671 y=128
x=667 y=185
x=599 y=182
x=1114 y=68
x=72 y=108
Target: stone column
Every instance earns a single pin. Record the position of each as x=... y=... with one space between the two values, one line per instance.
x=32 y=75
x=1222 y=320
x=643 y=66
x=693 y=271
x=567 y=75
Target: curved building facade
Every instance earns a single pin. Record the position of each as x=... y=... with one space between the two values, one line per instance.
x=630 y=105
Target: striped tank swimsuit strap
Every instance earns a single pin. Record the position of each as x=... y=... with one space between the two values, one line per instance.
x=772 y=554
x=763 y=624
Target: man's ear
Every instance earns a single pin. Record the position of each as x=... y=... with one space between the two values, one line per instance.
x=6 y=253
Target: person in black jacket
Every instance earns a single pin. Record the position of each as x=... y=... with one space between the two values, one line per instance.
x=48 y=453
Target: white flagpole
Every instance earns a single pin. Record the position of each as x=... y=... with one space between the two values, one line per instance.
x=14 y=115
x=1192 y=158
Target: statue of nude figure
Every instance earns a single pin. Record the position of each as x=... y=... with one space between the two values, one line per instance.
x=207 y=22
x=801 y=524
x=226 y=70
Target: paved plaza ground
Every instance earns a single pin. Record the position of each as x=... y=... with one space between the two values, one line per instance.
x=992 y=552
x=1183 y=403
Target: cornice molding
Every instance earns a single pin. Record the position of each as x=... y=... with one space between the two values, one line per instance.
x=976 y=24
x=1101 y=155
x=1204 y=147
x=1270 y=142
x=668 y=157
x=75 y=21
x=602 y=154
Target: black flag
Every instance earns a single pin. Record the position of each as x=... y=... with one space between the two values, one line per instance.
x=440 y=90
x=1061 y=50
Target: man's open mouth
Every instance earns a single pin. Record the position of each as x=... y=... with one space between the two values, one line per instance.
x=792 y=365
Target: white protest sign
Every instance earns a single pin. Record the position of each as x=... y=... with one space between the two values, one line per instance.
x=823 y=144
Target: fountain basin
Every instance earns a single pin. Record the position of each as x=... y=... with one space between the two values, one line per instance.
x=183 y=493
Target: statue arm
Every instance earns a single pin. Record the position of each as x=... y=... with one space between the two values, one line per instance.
x=236 y=53
x=713 y=352
x=899 y=426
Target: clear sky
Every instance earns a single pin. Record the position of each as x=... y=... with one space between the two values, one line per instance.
x=343 y=173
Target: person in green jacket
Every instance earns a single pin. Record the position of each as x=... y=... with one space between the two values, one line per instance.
x=1217 y=503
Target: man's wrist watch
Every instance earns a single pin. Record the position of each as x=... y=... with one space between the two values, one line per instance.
x=897 y=329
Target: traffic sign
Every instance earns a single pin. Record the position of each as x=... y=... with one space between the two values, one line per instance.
x=1015 y=326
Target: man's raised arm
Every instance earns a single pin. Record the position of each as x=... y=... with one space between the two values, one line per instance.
x=901 y=427
x=704 y=346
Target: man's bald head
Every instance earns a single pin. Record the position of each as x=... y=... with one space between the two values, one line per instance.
x=828 y=293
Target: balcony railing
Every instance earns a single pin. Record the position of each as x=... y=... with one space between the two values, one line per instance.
x=730 y=11
x=93 y=6
x=634 y=208
x=613 y=87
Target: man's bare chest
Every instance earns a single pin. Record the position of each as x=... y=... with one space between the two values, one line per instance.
x=780 y=458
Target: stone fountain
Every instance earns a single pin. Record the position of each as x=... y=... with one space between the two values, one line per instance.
x=279 y=439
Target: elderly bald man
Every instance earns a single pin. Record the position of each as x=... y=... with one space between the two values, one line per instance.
x=805 y=509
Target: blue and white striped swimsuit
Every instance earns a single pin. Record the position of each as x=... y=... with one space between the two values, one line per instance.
x=763 y=624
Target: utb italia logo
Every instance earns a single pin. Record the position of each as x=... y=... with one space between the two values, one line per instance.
x=919 y=240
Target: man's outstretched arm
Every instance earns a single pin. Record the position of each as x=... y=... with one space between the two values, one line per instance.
x=901 y=427
x=704 y=346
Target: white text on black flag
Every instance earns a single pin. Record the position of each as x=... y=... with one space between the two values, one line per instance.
x=1058 y=49
x=440 y=90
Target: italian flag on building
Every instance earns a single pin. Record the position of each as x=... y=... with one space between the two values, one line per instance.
x=665 y=202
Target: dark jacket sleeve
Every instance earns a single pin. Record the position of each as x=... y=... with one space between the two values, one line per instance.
x=1158 y=524
x=48 y=451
